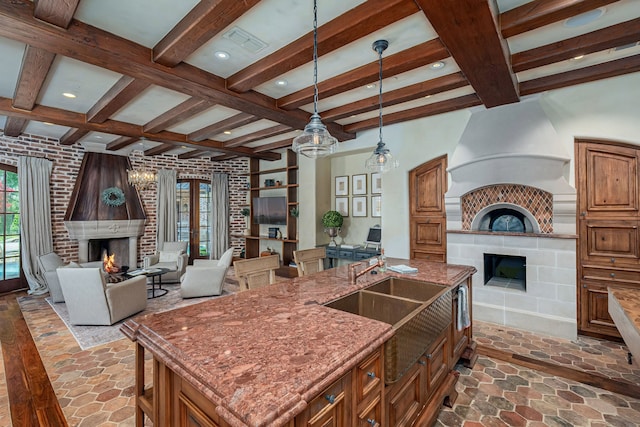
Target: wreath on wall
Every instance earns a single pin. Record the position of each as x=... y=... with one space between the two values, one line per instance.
x=113 y=196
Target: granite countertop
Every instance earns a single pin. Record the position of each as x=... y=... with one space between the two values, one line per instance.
x=261 y=355
x=624 y=308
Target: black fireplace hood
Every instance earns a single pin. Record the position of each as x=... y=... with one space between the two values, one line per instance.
x=100 y=172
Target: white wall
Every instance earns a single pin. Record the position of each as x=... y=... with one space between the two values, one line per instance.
x=604 y=109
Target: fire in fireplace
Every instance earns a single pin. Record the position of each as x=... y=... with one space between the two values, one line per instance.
x=505 y=271
x=109 y=263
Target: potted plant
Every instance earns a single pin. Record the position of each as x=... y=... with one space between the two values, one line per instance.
x=245 y=213
x=294 y=212
x=332 y=221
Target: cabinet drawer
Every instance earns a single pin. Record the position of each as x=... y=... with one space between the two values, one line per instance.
x=332 y=396
x=610 y=274
x=368 y=376
x=371 y=415
x=610 y=242
x=360 y=255
x=331 y=253
x=429 y=256
x=344 y=253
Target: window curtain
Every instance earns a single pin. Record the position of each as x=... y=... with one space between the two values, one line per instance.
x=166 y=216
x=219 y=214
x=35 y=218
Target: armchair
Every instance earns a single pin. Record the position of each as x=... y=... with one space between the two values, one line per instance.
x=172 y=255
x=205 y=277
x=48 y=264
x=92 y=301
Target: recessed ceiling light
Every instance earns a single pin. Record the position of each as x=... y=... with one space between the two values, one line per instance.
x=69 y=95
x=222 y=55
x=48 y=123
x=281 y=83
x=437 y=65
x=575 y=58
x=584 y=18
x=227 y=132
x=427 y=96
x=371 y=86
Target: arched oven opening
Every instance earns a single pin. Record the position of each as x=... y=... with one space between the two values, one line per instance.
x=505 y=218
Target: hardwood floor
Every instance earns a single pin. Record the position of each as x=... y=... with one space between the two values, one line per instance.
x=31 y=397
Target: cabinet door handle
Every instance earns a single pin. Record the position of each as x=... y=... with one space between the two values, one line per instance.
x=613 y=259
x=613 y=275
x=583 y=214
x=422 y=362
x=372 y=422
x=371 y=374
x=330 y=397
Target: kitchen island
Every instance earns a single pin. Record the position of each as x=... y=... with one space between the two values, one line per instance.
x=276 y=356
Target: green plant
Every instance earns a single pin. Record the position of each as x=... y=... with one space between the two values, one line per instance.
x=332 y=219
x=245 y=211
x=294 y=212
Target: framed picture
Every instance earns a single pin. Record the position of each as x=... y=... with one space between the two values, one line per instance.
x=342 y=185
x=342 y=205
x=359 y=184
x=376 y=183
x=359 y=206
x=376 y=206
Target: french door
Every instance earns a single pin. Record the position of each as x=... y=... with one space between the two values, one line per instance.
x=194 y=209
x=9 y=230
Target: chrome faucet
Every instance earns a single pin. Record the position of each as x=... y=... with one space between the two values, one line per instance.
x=353 y=275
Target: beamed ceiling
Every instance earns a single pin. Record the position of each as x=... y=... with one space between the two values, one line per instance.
x=146 y=74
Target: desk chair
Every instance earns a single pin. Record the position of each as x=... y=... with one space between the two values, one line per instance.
x=309 y=261
x=254 y=273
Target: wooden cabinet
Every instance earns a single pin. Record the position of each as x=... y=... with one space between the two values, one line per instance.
x=608 y=237
x=287 y=178
x=329 y=408
x=427 y=217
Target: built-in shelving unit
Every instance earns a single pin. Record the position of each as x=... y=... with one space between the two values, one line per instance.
x=288 y=176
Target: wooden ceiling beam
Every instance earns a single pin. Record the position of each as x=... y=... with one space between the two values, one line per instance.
x=596 y=41
x=256 y=136
x=36 y=63
x=14 y=126
x=614 y=68
x=441 y=107
x=201 y=24
x=223 y=157
x=193 y=154
x=100 y=48
x=468 y=30
x=72 y=136
x=177 y=114
x=122 y=142
x=539 y=13
x=398 y=96
x=77 y=120
x=352 y=25
x=232 y=122
x=406 y=60
x=274 y=145
x=56 y=12
x=159 y=149
x=119 y=95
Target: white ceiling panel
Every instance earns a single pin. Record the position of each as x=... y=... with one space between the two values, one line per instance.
x=152 y=102
x=11 y=53
x=214 y=114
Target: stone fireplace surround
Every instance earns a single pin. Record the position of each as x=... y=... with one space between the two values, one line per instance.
x=498 y=166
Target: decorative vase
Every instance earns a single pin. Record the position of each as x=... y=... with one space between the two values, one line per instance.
x=333 y=233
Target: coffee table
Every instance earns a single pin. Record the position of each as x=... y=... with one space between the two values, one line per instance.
x=153 y=273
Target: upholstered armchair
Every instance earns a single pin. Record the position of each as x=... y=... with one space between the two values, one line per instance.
x=172 y=255
x=49 y=263
x=206 y=276
x=92 y=301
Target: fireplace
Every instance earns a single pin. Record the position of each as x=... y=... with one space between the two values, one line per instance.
x=512 y=214
x=118 y=247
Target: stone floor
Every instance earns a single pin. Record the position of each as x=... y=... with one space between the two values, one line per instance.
x=95 y=386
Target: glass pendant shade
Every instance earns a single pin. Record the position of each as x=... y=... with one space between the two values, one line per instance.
x=315 y=141
x=381 y=160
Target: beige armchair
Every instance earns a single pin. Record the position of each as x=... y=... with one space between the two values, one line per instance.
x=172 y=255
x=48 y=264
x=92 y=301
x=206 y=276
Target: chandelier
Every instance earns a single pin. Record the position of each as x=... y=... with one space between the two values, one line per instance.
x=381 y=160
x=141 y=179
x=315 y=141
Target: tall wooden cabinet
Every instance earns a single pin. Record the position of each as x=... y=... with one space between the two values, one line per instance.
x=608 y=219
x=287 y=176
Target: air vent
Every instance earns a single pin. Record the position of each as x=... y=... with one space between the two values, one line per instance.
x=245 y=40
x=626 y=46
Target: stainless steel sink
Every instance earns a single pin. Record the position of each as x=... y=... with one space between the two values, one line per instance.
x=417 y=311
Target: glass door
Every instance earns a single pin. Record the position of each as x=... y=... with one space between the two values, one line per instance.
x=9 y=230
x=194 y=208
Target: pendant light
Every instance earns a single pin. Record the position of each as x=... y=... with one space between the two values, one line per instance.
x=315 y=141
x=381 y=160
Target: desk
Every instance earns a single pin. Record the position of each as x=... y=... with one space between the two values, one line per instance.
x=357 y=254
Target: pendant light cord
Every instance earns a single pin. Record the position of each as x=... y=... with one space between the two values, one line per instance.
x=315 y=56
x=380 y=93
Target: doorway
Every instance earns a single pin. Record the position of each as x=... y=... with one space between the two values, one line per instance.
x=194 y=216
x=10 y=268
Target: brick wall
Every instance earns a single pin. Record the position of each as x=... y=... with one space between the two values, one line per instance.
x=66 y=163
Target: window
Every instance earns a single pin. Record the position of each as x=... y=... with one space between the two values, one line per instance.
x=9 y=228
x=194 y=213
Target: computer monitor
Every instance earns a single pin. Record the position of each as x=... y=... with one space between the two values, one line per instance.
x=374 y=237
